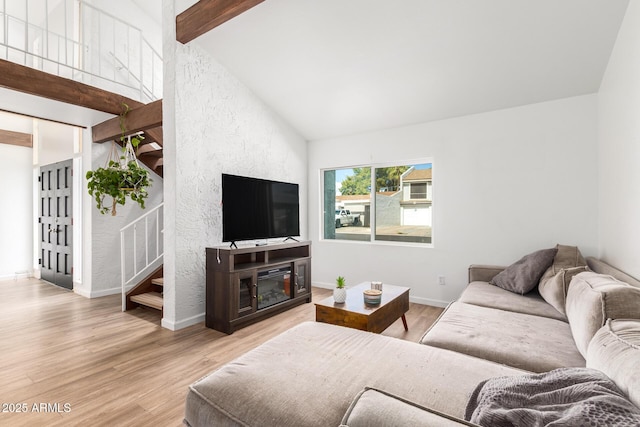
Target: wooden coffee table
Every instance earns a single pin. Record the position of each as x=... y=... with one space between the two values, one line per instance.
x=354 y=313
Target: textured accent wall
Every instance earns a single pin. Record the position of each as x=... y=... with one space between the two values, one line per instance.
x=220 y=127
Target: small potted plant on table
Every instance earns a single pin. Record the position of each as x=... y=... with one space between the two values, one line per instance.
x=340 y=293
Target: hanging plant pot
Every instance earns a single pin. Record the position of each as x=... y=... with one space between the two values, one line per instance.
x=121 y=178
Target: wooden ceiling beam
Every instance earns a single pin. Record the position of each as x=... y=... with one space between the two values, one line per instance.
x=35 y=82
x=205 y=15
x=140 y=118
x=16 y=138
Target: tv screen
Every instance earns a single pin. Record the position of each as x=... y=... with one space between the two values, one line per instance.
x=255 y=208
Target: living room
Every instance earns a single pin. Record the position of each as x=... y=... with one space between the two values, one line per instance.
x=494 y=174
x=507 y=181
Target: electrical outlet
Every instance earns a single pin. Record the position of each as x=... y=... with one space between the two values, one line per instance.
x=441 y=280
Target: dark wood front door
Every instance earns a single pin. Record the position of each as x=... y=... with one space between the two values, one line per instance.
x=56 y=224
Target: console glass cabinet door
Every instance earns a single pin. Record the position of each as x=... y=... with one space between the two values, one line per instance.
x=246 y=284
x=302 y=275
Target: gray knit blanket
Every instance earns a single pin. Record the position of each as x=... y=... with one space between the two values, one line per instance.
x=563 y=397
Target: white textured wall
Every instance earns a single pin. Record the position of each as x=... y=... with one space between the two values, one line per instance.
x=220 y=127
x=619 y=149
x=505 y=183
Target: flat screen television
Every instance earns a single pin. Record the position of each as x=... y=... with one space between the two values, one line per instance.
x=255 y=208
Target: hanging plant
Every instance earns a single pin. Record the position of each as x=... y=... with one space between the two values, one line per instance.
x=121 y=177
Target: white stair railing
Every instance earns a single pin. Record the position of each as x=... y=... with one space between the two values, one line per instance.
x=75 y=40
x=137 y=260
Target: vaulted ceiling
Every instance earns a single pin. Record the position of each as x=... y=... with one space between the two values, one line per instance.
x=338 y=67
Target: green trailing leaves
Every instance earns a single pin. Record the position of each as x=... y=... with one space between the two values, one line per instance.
x=122 y=177
x=119 y=183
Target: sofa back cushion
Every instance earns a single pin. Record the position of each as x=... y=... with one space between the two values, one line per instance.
x=615 y=350
x=592 y=299
x=555 y=281
x=554 y=289
x=602 y=267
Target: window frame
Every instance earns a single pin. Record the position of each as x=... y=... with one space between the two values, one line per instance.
x=372 y=235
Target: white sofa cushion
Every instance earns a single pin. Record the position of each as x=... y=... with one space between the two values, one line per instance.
x=378 y=408
x=555 y=281
x=615 y=350
x=592 y=299
x=487 y=295
x=533 y=343
x=308 y=376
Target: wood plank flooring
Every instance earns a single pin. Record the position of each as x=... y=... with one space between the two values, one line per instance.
x=68 y=360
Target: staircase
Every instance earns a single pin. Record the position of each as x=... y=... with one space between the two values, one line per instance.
x=93 y=47
x=150 y=150
x=141 y=263
x=140 y=119
x=147 y=293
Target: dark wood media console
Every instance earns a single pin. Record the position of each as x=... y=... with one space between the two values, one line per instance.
x=248 y=284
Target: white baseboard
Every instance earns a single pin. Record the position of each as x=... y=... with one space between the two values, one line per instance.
x=417 y=300
x=82 y=291
x=97 y=294
x=174 y=326
x=429 y=301
x=17 y=275
x=323 y=285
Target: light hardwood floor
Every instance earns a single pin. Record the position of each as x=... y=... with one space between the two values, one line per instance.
x=105 y=367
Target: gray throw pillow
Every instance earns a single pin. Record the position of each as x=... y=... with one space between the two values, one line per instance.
x=524 y=275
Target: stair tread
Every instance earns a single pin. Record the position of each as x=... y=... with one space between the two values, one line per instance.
x=150 y=299
x=158 y=281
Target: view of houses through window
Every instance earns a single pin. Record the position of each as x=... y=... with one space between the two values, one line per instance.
x=399 y=209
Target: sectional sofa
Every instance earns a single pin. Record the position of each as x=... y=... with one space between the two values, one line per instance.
x=576 y=327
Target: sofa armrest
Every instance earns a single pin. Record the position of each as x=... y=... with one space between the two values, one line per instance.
x=483 y=273
x=373 y=407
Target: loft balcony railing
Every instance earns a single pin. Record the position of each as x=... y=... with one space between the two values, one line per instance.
x=73 y=39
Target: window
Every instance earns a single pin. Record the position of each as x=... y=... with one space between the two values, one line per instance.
x=399 y=209
x=418 y=190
